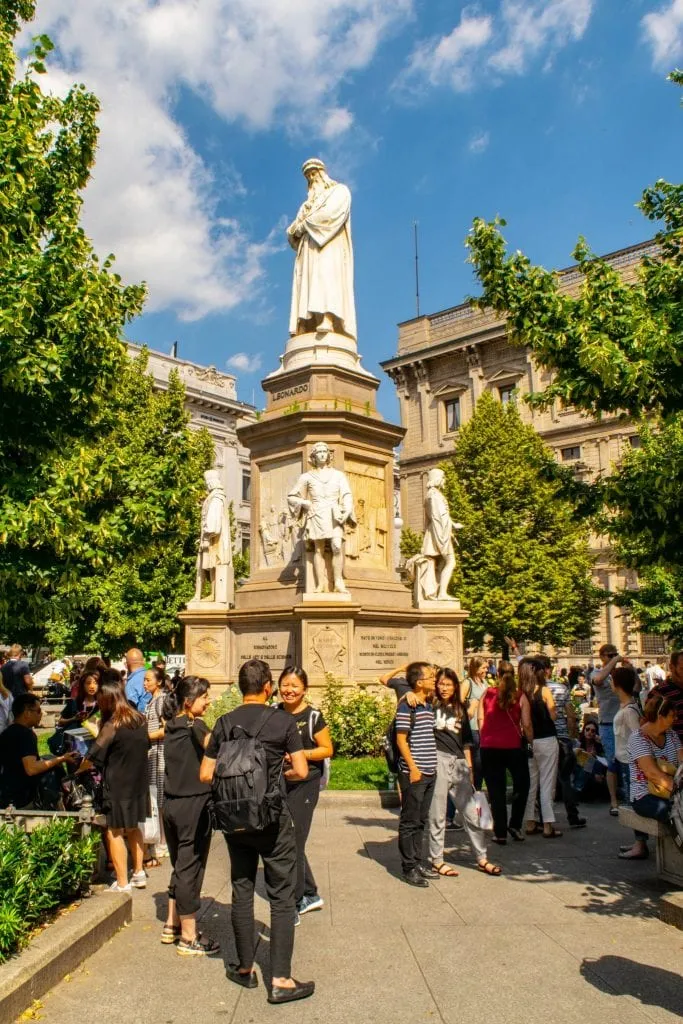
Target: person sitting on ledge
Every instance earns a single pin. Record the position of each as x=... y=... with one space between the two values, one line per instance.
x=20 y=764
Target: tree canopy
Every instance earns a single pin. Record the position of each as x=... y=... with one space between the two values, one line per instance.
x=100 y=477
x=524 y=564
x=614 y=347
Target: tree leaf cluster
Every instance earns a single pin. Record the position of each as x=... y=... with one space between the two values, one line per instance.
x=524 y=561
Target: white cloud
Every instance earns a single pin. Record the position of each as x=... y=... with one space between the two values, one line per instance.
x=533 y=27
x=245 y=363
x=449 y=60
x=258 y=63
x=504 y=42
x=479 y=142
x=664 y=32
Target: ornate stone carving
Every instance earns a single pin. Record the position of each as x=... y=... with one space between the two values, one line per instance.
x=366 y=540
x=441 y=649
x=328 y=650
x=209 y=374
x=206 y=652
x=279 y=529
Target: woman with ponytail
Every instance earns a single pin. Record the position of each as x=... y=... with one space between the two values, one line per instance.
x=187 y=824
x=505 y=731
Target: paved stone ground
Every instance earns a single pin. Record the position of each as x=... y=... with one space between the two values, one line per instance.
x=569 y=934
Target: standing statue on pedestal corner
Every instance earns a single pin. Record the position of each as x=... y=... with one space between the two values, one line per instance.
x=322 y=293
x=438 y=542
x=214 y=559
x=322 y=497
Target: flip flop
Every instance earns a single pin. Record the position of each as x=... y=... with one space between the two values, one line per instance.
x=552 y=835
x=152 y=862
x=446 y=870
x=490 y=869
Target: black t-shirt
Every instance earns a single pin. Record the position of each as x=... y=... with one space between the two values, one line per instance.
x=16 y=787
x=183 y=752
x=309 y=722
x=279 y=734
x=13 y=673
x=452 y=734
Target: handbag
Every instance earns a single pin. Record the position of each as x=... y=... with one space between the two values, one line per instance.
x=482 y=810
x=151 y=827
x=526 y=746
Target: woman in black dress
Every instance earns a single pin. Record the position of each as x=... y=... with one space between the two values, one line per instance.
x=120 y=752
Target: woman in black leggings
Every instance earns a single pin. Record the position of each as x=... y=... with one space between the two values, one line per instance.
x=187 y=824
x=302 y=797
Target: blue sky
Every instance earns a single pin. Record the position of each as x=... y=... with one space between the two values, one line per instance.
x=553 y=113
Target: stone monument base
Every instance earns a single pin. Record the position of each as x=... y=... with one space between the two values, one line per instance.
x=334 y=636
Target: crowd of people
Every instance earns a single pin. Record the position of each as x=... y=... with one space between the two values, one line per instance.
x=164 y=781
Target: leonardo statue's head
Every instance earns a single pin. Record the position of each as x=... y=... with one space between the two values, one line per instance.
x=320 y=455
x=212 y=480
x=316 y=175
x=435 y=478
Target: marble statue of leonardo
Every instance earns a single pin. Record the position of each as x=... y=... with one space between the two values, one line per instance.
x=322 y=293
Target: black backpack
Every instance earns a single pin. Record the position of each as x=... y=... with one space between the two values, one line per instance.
x=244 y=800
x=390 y=745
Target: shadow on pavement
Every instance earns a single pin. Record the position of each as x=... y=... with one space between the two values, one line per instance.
x=652 y=986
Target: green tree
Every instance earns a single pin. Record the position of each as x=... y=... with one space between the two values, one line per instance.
x=613 y=347
x=524 y=562
x=99 y=476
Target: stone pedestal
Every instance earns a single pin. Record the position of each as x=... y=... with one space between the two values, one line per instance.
x=356 y=636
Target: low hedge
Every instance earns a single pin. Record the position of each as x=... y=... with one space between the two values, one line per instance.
x=39 y=871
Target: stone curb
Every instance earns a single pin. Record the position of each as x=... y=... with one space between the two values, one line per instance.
x=340 y=798
x=671 y=908
x=60 y=949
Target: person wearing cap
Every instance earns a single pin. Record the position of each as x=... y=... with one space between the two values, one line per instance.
x=320 y=234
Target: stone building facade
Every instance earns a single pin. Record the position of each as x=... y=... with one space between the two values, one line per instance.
x=445 y=361
x=211 y=400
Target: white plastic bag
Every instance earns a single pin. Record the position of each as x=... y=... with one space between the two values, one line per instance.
x=151 y=826
x=483 y=811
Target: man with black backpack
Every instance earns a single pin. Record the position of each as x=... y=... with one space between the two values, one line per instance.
x=244 y=763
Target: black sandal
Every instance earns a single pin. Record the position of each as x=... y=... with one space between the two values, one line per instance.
x=516 y=835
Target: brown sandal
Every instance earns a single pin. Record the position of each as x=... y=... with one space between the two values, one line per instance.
x=553 y=834
x=446 y=870
x=489 y=869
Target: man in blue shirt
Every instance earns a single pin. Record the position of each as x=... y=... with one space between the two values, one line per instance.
x=135 y=682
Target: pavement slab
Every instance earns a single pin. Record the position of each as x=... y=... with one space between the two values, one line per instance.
x=567 y=934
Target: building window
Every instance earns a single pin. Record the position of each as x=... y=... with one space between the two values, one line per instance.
x=246 y=542
x=581 y=648
x=635 y=441
x=571 y=454
x=653 y=644
x=452 y=407
x=506 y=394
x=246 y=485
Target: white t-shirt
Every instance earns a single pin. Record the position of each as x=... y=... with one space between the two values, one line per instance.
x=626 y=722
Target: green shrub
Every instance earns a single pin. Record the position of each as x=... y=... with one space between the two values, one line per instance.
x=39 y=871
x=231 y=699
x=357 y=719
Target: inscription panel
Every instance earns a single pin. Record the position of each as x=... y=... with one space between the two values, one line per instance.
x=277 y=647
x=378 y=650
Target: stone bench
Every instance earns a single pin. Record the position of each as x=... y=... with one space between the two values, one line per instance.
x=669 y=857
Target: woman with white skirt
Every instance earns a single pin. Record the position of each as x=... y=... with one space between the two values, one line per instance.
x=543 y=766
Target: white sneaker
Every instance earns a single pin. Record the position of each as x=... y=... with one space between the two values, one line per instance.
x=115 y=887
x=138 y=880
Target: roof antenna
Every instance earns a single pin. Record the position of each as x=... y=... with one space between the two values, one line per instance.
x=417 y=272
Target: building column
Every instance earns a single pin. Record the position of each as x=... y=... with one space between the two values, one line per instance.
x=613 y=616
x=424 y=390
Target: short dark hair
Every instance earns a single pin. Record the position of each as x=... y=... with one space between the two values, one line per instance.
x=294 y=670
x=608 y=651
x=111 y=675
x=626 y=678
x=414 y=672
x=253 y=677
x=544 y=660
x=23 y=702
x=675 y=658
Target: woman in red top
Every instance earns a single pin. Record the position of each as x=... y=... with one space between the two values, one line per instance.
x=504 y=722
